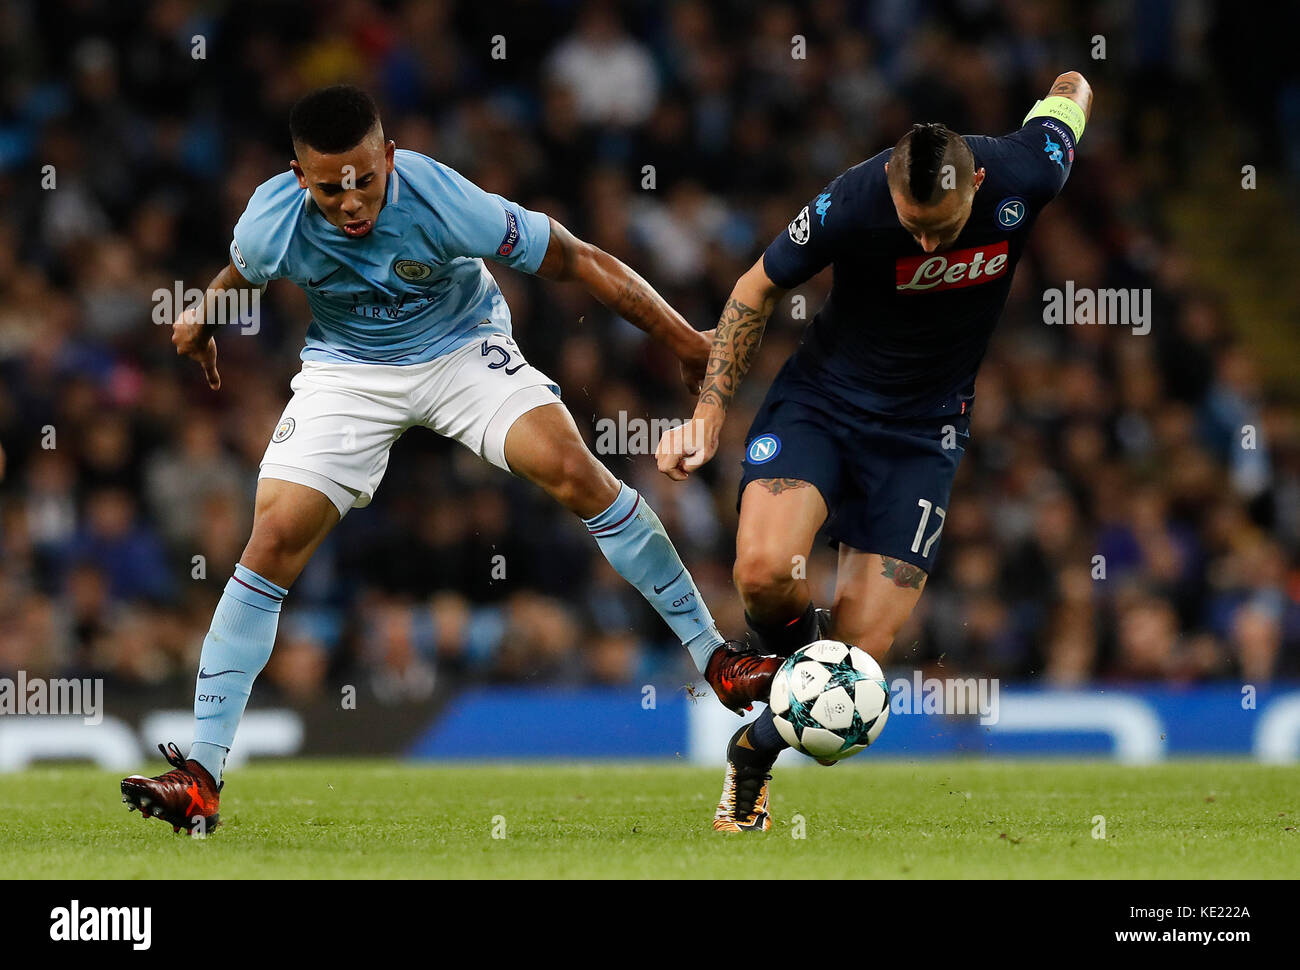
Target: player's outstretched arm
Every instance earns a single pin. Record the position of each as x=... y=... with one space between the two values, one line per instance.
x=1074 y=87
x=684 y=449
x=618 y=287
x=194 y=335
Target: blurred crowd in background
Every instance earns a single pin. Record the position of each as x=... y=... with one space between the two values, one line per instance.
x=128 y=487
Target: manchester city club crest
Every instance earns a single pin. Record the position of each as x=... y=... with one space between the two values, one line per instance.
x=412 y=270
x=283 y=430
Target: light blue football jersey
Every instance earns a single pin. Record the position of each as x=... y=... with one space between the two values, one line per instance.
x=411 y=290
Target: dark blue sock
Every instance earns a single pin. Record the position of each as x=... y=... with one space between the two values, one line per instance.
x=784 y=637
x=763 y=734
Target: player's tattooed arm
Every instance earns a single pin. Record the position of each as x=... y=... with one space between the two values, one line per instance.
x=685 y=448
x=904 y=574
x=737 y=337
x=778 y=485
x=1074 y=86
x=194 y=335
x=618 y=287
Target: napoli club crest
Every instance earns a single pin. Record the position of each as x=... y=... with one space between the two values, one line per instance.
x=763 y=449
x=283 y=430
x=1011 y=212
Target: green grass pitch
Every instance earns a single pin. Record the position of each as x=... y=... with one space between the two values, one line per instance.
x=882 y=819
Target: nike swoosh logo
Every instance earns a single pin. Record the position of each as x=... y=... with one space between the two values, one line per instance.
x=660 y=589
x=324 y=278
x=205 y=676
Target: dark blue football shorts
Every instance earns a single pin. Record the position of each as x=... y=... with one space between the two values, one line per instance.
x=886 y=481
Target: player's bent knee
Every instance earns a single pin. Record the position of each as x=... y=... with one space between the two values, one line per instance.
x=764 y=576
x=577 y=481
x=275 y=547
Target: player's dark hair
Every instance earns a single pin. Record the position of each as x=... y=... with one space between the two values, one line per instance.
x=332 y=120
x=920 y=156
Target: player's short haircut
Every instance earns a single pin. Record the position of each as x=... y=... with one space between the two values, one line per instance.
x=919 y=160
x=332 y=120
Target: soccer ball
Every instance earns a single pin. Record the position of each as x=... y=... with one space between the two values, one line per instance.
x=830 y=700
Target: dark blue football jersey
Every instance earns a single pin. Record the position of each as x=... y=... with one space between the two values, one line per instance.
x=903 y=332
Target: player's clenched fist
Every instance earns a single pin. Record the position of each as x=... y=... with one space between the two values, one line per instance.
x=686 y=447
x=191 y=339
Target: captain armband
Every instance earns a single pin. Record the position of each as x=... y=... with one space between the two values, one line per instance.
x=1063 y=110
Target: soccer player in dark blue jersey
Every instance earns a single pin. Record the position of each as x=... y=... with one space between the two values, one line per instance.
x=864 y=426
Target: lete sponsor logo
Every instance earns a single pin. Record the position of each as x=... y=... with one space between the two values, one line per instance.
x=951 y=271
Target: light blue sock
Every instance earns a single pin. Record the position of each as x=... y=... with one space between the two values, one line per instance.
x=633 y=540
x=237 y=647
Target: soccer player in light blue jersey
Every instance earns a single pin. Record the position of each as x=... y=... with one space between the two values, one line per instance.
x=408 y=328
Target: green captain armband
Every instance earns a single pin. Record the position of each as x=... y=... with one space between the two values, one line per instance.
x=1062 y=109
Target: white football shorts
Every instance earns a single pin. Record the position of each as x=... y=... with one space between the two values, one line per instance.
x=337 y=429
